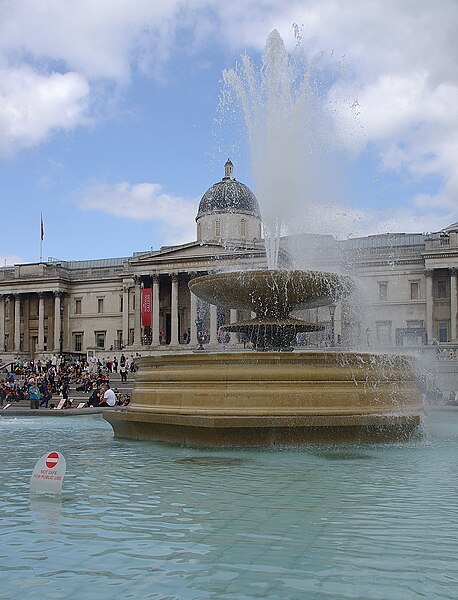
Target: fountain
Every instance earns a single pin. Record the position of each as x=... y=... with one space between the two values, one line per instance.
x=273 y=396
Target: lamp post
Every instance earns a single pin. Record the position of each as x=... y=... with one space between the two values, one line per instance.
x=332 y=312
x=199 y=333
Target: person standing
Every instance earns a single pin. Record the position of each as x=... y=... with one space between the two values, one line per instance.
x=123 y=372
x=34 y=395
x=45 y=394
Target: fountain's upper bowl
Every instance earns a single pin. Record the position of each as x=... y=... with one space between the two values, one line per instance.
x=272 y=292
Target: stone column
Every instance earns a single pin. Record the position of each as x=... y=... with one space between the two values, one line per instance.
x=338 y=324
x=233 y=319
x=2 y=322
x=41 y=322
x=17 y=323
x=155 y=311
x=453 y=304
x=138 y=312
x=125 y=315
x=213 y=325
x=174 y=312
x=429 y=304
x=57 y=321
x=193 y=318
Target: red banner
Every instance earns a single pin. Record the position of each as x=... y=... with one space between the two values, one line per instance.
x=146 y=307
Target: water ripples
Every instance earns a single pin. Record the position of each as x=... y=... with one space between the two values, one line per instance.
x=152 y=521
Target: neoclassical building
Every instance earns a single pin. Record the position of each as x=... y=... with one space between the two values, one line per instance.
x=407 y=297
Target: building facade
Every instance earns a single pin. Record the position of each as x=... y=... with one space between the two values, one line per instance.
x=407 y=294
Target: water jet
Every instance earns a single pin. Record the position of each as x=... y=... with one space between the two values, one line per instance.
x=275 y=395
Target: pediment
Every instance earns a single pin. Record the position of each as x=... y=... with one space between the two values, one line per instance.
x=451 y=228
x=187 y=252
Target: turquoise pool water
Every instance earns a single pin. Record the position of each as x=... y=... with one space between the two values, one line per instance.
x=140 y=520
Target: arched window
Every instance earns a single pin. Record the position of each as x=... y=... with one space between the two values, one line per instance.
x=199 y=231
x=217 y=229
x=243 y=228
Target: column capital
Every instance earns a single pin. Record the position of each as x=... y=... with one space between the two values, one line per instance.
x=155 y=278
x=453 y=271
x=41 y=294
x=429 y=272
x=58 y=294
x=174 y=276
x=125 y=289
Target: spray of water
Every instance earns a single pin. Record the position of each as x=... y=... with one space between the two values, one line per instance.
x=288 y=135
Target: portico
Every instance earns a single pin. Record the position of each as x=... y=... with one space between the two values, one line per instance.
x=31 y=322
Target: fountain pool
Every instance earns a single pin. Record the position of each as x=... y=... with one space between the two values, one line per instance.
x=148 y=520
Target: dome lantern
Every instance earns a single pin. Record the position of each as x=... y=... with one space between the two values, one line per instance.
x=228 y=170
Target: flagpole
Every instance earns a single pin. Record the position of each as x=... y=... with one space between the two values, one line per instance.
x=42 y=231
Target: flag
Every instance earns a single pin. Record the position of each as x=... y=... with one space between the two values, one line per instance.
x=42 y=228
x=146 y=307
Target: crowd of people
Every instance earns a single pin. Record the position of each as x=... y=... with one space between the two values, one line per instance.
x=40 y=382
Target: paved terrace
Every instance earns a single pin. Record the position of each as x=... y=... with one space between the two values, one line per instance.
x=22 y=408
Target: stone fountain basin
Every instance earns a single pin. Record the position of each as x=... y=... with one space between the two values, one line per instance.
x=246 y=398
x=272 y=292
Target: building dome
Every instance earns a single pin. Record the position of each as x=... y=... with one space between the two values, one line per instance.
x=228 y=196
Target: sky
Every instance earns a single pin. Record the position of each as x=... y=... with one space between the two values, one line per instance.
x=110 y=125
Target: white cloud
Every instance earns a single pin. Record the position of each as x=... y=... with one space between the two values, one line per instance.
x=173 y=215
x=7 y=260
x=345 y=221
x=97 y=38
x=33 y=105
x=397 y=58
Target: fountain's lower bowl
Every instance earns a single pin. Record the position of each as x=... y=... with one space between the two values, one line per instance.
x=249 y=399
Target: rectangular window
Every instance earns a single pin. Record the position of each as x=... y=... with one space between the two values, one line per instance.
x=414 y=324
x=78 y=306
x=414 y=290
x=34 y=307
x=121 y=304
x=100 y=305
x=7 y=309
x=383 y=333
x=119 y=340
x=132 y=301
x=217 y=229
x=78 y=342
x=243 y=228
x=382 y=291
x=100 y=339
x=443 y=331
x=441 y=288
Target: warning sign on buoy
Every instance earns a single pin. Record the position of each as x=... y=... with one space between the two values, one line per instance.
x=48 y=474
x=52 y=459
